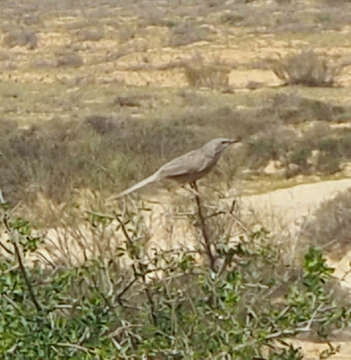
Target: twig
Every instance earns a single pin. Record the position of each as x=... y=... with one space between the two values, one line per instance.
x=20 y=262
x=207 y=243
x=6 y=248
x=126 y=288
x=138 y=272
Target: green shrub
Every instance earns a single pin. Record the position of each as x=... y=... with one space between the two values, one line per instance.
x=169 y=305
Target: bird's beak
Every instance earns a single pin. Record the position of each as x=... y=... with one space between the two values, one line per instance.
x=236 y=140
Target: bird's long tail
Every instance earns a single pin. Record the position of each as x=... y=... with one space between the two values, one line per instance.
x=148 y=180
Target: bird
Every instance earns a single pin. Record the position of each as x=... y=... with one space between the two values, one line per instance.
x=186 y=168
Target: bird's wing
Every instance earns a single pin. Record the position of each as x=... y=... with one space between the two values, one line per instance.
x=148 y=180
x=194 y=161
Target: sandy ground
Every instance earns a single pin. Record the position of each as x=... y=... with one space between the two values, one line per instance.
x=292 y=204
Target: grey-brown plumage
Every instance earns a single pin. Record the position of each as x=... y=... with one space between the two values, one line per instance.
x=189 y=167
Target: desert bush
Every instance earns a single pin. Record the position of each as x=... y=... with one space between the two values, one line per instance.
x=98 y=152
x=104 y=125
x=69 y=59
x=306 y=68
x=329 y=226
x=274 y=143
x=90 y=34
x=333 y=149
x=20 y=37
x=221 y=120
x=192 y=98
x=187 y=33
x=292 y=108
x=211 y=75
x=231 y=18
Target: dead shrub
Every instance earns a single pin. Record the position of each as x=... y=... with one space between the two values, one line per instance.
x=104 y=125
x=274 y=143
x=330 y=226
x=20 y=37
x=133 y=100
x=306 y=68
x=293 y=108
x=90 y=34
x=231 y=18
x=69 y=59
x=225 y=120
x=188 y=33
x=192 y=98
x=213 y=76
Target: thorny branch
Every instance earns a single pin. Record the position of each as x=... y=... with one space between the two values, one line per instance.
x=138 y=272
x=14 y=239
x=203 y=227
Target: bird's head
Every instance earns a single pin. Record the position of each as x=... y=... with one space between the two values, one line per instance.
x=216 y=146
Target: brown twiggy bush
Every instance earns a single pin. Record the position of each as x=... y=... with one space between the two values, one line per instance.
x=307 y=68
x=330 y=225
x=212 y=75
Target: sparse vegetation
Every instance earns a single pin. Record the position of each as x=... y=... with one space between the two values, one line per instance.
x=109 y=152
x=187 y=33
x=306 y=68
x=98 y=95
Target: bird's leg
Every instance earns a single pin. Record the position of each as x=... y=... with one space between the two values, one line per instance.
x=192 y=188
x=207 y=241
